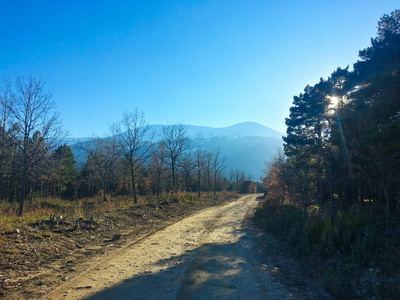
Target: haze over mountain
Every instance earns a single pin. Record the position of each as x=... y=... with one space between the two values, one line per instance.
x=246 y=146
x=234 y=131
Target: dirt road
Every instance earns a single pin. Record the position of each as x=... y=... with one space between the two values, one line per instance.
x=209 y=255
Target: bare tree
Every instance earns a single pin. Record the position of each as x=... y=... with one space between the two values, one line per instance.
x=275 y=182
x=34 y=112
x=176 y=141
x=8 y=131
x=103 y=155
x=200 y=157
x=218 y=163
x=187 y=165
x=157 y=166
x=135 y=143
x=207 y=171
x=40 y=163
x=238 y=177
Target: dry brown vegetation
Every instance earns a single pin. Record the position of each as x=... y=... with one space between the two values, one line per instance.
x=40 y=250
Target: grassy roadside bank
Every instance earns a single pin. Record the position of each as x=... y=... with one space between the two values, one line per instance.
x=354 y=259
x=40 y=250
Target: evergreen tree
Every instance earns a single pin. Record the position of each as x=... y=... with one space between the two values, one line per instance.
x=66 y=173
x=352 y=148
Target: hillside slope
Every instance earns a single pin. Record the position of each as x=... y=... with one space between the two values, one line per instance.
x=246 y=146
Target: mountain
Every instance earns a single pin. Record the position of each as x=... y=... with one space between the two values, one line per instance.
x=246 y=146
x=235 y=131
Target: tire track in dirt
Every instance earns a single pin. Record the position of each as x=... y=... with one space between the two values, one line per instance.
x=209 y=255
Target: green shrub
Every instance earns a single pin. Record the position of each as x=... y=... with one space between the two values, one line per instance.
x=286 y=223
x=364 y=248
x=342 y=252
x=317 y=231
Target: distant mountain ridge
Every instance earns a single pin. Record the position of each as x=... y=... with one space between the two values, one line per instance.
x=246 y=146
x=234 y=131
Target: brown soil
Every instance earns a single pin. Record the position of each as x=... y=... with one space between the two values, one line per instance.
x=167 y=251
x=45 y=254
x=216 y=253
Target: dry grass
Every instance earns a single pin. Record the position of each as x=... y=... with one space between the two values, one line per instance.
x=42 y=208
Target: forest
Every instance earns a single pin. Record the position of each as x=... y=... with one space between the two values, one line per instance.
x=129 y=184
x=333 y=196
x=36 y=163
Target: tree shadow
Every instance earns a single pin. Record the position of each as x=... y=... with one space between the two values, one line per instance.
x=211 y=271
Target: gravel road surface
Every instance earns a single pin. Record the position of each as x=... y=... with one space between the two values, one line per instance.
x=209 y=255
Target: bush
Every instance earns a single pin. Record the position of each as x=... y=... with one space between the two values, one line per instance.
x=342 y=254
x=286 y=223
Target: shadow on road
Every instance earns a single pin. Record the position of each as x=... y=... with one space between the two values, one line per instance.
x=212 y=271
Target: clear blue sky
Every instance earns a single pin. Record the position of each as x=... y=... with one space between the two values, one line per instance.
x=211 y=63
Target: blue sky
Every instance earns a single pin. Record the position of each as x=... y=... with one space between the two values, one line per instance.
x=210 y=63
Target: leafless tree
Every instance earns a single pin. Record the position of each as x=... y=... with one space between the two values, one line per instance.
x=34 y=112
x=218 y=163
x=8 y=130
x=102 y=157
x=176 y=141
x=187 y=166
x=276 y=182
x=199 y=157
x=207 y=171
x=135 y=143
x=238 y=177
x=157 y=166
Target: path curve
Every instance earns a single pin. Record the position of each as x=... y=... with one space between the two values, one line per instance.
x=209 y=255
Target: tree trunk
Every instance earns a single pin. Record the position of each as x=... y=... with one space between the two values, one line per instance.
x=158 y=184
x=388 y=212
x=198 y=185
x=133 y=185
x=215 y=184
x=24 y=181
x=173 y=178
x=104 y=190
